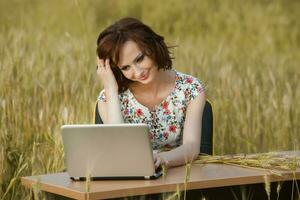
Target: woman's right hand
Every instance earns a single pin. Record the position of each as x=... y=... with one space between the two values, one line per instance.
x=106 y=75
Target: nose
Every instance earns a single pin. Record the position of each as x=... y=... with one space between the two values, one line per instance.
x=137 y=71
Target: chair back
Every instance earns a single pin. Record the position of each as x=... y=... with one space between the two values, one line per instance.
x=207 y=129
x=206 y=146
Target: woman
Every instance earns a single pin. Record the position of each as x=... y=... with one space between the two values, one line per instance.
x=140 y=86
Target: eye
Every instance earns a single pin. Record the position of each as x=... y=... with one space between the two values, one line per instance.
x=125 y=68
x=140 y=58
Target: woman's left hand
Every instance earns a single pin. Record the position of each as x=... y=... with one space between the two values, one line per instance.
x=159 y=160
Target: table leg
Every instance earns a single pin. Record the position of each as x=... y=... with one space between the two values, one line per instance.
x=288 y=190
x=51 y=196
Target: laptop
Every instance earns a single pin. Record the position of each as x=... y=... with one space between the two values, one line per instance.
x=108 y=151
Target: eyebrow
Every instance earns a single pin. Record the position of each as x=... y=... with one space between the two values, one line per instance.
x=135 y=60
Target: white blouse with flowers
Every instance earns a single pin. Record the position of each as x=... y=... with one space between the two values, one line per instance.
x=167 y=120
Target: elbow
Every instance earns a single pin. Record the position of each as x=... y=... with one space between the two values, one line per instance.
x=195 y=153
x=193 y=150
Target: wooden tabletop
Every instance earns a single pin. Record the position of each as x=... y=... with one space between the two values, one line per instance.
x=201 y=176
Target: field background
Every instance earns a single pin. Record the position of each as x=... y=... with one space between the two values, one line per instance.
x=246 y=52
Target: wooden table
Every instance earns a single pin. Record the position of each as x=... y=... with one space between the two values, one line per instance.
x=202 y=176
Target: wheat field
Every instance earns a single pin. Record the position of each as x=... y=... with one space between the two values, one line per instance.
x=247 y=53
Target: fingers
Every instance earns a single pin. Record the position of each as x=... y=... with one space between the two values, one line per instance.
x=100 y=63
x=157 y=162
x=106 y=75
x=100 y=66
x=107 y=63
x=103 y=64
x=160 y=160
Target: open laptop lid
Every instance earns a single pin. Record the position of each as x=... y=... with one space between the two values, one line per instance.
x=108 y=151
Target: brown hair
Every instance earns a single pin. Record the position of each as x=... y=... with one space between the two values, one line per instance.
x=111 y=40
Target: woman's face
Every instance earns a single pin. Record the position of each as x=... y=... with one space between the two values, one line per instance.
x=135 y=65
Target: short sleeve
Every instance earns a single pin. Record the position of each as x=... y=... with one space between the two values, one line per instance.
x=195 y=88
x=101 y=96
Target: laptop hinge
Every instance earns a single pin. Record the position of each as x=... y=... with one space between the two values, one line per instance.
x=75 y=178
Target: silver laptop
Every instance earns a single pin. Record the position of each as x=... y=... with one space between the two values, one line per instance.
x=108 y=151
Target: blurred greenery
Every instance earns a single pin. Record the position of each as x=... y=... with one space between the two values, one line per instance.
x=246 y=52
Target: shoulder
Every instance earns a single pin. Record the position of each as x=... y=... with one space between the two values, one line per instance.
x=190 y=84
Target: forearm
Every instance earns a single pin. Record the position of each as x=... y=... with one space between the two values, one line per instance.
x=181 y=155
x=113 y=108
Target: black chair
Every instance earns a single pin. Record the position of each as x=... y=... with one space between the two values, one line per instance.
x=207 y=141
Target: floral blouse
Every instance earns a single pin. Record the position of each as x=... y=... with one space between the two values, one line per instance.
x=167 y=120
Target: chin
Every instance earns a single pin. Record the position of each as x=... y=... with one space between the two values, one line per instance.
x=150 y=78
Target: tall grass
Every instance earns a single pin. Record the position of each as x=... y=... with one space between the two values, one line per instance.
x=246 y=52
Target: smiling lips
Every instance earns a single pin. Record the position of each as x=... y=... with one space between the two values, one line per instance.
x=144 y=76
